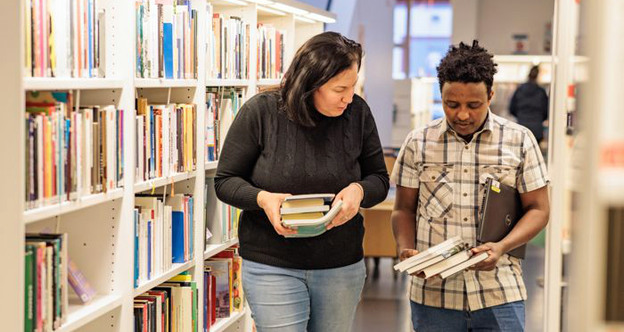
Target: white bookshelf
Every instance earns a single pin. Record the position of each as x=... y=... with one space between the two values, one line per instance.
x=163 y=181
x=80 y=315
x=223 y=324
x=100 y=226
x=159 y=279
x=49 y=211
x=227 y=83
x=164 y=83
x=43 y=83
x=268 y=82
x=601 y=113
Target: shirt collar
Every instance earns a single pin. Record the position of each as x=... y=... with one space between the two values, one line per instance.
x=489 y=125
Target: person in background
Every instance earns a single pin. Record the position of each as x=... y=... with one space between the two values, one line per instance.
x=529 y=104
x=440 y=172
x=311 y=135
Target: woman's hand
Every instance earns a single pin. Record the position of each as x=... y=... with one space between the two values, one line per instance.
x=351 y=197
x=271 y=203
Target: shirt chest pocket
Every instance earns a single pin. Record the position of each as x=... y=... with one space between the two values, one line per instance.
x=501 y=173
x=435 y=199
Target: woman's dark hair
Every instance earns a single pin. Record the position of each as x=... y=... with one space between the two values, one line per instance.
x=467 y=64
x=316 y=62
x=533 y=73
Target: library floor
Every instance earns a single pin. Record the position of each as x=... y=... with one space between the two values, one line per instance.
x=385 y=308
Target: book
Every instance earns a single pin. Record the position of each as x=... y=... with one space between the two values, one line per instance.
x=442 y=260
x=427 y=254
x=464 y=265
x=306 y=203
x=313 y=227
x=79 y=283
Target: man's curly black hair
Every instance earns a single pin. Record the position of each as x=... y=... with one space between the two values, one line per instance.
x=467 y=64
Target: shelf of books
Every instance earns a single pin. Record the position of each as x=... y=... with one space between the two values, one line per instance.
x=269 y=82
x=162 y=181
x=159 y=279
x=45 y=83
x=213 y=249
x=45 y=212
x=222 y=324
x=211 y=166
x=227 y=82
x=122 y=114
x=164 y=83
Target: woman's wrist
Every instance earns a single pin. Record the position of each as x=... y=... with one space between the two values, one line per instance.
x=361 y=189
x=260 y=198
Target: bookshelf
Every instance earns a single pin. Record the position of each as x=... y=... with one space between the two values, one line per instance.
x=594 y=279
x=100 y=225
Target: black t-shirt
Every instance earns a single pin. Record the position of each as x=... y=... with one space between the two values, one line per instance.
x=264 y=150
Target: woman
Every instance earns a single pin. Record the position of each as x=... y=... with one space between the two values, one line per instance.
x=312 y=135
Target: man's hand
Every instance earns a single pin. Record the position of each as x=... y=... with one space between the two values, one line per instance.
x=351 y=197
x=494 y=249
x=407 y=253
x=271 y=203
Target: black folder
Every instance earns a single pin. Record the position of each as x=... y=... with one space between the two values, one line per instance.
x=500 y=211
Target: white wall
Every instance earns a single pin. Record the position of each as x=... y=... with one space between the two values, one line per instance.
x=375 y=17
x=465 y=20
x=498 y=20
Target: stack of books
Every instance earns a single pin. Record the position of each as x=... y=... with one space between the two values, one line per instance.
x=309 y=214
x=443 y=260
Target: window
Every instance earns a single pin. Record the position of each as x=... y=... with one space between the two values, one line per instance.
x=422 y=35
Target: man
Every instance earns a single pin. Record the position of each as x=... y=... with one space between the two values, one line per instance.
x=439 y=175
x=529 y=105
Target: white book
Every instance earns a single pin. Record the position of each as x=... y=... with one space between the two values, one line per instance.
x=209 y=42
x=419 y=267
x=111 y=150
x=60 y=27
x=324 y=220
x=140 y=152
x=166 y=136
x=462 y=266
x=318 y=208
x=40 y=161
x=447 y=263
x=427 y=254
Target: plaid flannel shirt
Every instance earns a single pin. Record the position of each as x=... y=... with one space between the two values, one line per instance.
x=450 y=174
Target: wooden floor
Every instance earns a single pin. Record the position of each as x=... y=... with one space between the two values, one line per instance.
x=385 y=307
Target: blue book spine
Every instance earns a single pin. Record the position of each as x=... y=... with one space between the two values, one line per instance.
x=168 y=49
x=177 y=236
x=191 y=227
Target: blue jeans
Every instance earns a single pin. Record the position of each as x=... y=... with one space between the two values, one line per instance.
x=292 y=300
x=504 y=317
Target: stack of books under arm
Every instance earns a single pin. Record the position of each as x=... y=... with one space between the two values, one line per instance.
x=309 y=214
x=443 y=260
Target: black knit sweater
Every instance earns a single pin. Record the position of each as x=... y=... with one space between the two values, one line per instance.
x=264 y=150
